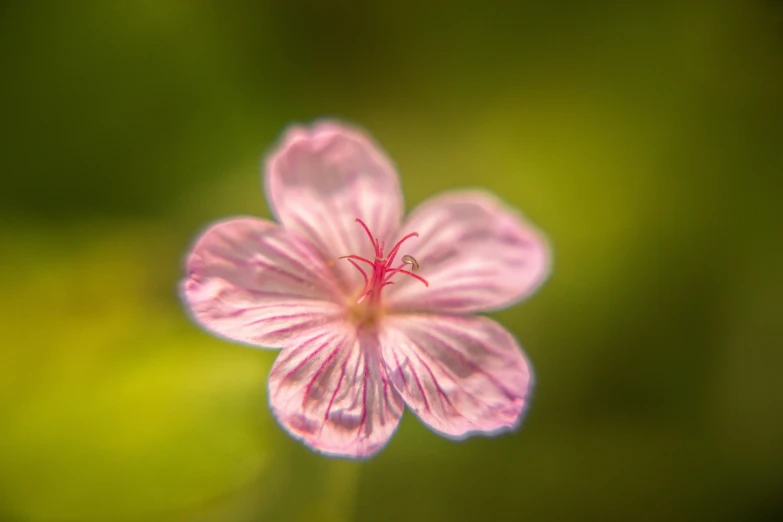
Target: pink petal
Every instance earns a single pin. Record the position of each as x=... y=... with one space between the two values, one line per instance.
x=460 y=375
x=330 y=389
x=321 y=178
x=252 y=281
x=476 y=253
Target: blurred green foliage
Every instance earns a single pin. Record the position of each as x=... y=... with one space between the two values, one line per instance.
x=645 y=137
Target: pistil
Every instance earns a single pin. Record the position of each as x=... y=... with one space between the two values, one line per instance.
x=381 y=265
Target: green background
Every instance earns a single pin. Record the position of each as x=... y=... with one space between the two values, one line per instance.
x=646 y=139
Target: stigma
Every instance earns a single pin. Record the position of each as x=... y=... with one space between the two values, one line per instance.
x=382 y=268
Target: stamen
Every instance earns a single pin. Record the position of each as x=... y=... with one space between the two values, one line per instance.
x=410 y=260
x=382 y=270
x=358 y=258
x=396 y=248
x=364 y=274
x=401 y=271
x=374 y=241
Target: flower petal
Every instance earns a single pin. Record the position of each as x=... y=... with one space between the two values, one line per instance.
x=460 y=375
x=252 y=281
x=476 y=253
x=330 y=389
x=321 y=178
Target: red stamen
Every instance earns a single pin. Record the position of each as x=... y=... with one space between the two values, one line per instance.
x=374 y=241
x=381 y=267
x=365 y=294
x=396 y=248
x=401 y=271
x=364 y=274
x=358 y=258
x=390 y=274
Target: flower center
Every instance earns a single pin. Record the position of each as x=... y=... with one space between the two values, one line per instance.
x=382 y=269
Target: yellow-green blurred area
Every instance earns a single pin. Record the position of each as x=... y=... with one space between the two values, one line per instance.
x=646 y=139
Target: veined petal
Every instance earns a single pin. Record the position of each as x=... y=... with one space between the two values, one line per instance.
x=321 y=178
x=252 y=281
x=330 y=389
x=460 y=375
x=476 y=253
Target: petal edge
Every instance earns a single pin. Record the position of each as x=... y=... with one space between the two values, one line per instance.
x=331 y=391
x=461 y=376
x=249 y=280
x=477 y=254
x=320 y=178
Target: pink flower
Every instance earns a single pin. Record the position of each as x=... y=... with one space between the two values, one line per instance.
x=371 y=312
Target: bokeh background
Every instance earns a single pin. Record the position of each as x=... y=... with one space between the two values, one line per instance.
x=646 y=138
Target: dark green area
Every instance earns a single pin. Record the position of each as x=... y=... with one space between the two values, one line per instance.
x=645 y=138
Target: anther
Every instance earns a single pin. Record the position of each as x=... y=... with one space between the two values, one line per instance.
x=410 y=260
x=381 y=265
